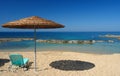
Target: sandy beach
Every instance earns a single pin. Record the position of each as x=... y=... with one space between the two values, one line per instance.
x=94 y=64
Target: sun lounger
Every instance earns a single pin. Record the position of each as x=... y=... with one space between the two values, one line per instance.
x=18 y=61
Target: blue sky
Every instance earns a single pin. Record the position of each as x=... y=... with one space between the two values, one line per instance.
x=76 y=15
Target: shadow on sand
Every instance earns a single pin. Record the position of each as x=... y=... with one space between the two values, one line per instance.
x=29 y=65
x=3 y=61
x=72 y=65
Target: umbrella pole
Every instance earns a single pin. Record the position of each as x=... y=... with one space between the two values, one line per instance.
x=35 y=48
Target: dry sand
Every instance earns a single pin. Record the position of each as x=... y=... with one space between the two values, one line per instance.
x=104 y=65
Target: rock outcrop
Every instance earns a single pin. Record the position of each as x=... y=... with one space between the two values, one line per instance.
x=13 y=39
x=67 y=41
x=111 y=36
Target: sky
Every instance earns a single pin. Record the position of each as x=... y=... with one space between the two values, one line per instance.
x=75 y=15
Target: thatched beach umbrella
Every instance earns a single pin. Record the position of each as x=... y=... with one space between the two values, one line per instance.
x=33 y=22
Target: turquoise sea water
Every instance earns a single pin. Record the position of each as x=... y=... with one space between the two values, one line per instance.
x=99 y=47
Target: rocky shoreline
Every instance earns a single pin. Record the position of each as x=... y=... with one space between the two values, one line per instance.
x=13 y=39
x=55 y=41
x=72 y=41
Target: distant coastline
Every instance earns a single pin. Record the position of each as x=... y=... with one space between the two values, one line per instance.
x=111 y=36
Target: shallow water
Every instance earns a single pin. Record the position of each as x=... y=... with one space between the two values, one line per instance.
x=99 y=48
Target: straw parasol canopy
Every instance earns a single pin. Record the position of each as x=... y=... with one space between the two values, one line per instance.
x=33 y=22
